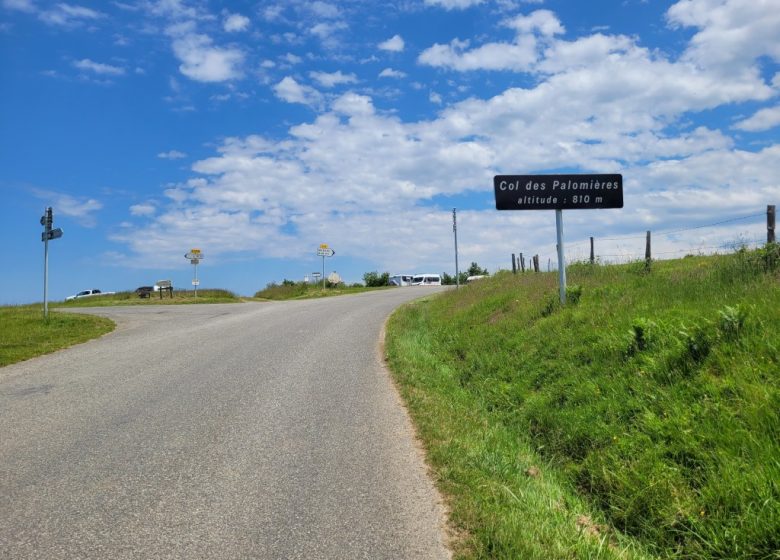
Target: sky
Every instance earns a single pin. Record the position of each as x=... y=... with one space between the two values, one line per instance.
x=257 y=130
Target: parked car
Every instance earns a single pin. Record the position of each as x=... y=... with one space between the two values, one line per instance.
x=88 y=293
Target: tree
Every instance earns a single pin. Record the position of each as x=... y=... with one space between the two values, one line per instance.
x=374 y=279
x=475 y=270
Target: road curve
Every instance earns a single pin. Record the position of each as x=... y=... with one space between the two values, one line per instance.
x=256 y=430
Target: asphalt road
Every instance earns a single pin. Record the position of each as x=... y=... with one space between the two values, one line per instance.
x=256 y=430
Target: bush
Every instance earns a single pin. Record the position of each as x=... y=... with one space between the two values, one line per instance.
x=374 y=279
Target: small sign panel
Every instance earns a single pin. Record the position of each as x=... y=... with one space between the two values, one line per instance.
x=196 y=282
x=55 y=233
x=325 y=252
x=558 y=192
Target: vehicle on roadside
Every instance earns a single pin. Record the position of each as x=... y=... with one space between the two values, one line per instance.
x=426 y=280
x=146 y=291
x=477 y=277
x=400 y=280
x=88 y=293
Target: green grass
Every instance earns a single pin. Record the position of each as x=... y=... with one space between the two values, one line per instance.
x=303 y=290
x=131 y=298
x=25 y=334
x=641 y=420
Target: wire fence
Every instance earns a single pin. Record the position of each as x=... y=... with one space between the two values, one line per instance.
x=615 y=255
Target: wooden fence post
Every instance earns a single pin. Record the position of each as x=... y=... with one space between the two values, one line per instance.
x=770 y=223
x=648 y=253
x=536 y=263
x=522 y=263
x=514 y=264
x=592 y=254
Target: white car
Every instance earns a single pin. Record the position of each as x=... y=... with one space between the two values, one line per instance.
x=88 y=293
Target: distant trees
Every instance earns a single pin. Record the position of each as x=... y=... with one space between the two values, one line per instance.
x=473 y=270
x=374 y=279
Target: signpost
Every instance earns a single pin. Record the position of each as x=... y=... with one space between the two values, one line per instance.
x=558 y=192
x=324 y=251
x=195 y=257
x=47 y=220
x=455 y=233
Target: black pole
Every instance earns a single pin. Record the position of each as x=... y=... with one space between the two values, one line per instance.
x=592 y=254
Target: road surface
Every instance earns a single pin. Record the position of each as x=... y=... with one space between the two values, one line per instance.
x=256 y=430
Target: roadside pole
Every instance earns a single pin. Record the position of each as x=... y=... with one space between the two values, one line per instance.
x=561 y=258
x=46 y=277
x=324 y=251
x=194 y=256
x=47 y=220
x=455 y=232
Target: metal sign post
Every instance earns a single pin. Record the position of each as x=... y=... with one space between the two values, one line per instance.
x=48 y=234
x=558 y=192
x=561 y=262
x=455 y=232
x=324 y=251
x=194 y=257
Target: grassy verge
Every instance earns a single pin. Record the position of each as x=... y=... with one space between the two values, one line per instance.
x=303 y=290
x=641 y=419
x=131 y=298
x=24 y=334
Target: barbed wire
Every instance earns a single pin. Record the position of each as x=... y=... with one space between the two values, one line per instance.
x=665 y=233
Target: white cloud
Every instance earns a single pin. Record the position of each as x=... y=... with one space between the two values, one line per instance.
x=732 y=33
x=68 y=15
x=763 y=119
x=434 y=97
x=453 y=4
x=291 y=91
x=324 y=9
x=20 y=5
x=331 y=79
x=390 y=73
x=172 y=154
x=533 y=31
x=326 y=31
x=292 y=59
x=519 y=56
x=98 y=68
x=543 y=21
x=80 y=208
x=393 y=44
x=143 y=209
x=202 y=61
x=235 y=22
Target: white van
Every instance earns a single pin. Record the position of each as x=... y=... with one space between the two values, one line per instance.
x=426 y=280
x=400 y=280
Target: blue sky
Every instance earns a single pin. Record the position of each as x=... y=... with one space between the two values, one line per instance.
x=256 y=130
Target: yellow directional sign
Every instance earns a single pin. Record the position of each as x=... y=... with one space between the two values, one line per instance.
x=195 y=251
x=323 y=246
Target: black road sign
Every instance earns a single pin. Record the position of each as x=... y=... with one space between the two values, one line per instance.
x=55 y=233
x=558 y=192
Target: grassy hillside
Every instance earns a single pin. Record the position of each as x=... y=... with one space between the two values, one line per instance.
x=131 y=298
x=304 y=290
x=640 y=420
x=24 y=333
